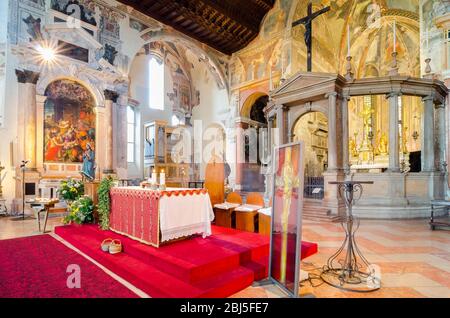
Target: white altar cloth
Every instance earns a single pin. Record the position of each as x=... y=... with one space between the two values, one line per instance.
x=184 y=215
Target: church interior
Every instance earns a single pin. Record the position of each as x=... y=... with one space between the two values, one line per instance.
x=244 y=149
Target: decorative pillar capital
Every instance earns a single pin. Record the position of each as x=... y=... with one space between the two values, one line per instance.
x=282 y=108
x=331 y=94
x=394 y=94
x=25 y=76
x=428 y=98
x=345 y=98
x=111 y=95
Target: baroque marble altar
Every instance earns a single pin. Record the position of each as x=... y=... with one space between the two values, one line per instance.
x=396 y=192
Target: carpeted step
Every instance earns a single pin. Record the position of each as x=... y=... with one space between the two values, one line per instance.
x=152 y=280
x=190 y=260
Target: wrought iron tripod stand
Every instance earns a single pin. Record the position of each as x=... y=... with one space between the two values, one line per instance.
x=348 y=269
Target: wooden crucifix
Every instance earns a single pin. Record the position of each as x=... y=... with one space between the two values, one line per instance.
x=307 y=22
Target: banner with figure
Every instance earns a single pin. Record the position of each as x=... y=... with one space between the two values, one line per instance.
x=285 y=243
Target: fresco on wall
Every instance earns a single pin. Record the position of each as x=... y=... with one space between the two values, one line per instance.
x=69 y=122
x=283 y=49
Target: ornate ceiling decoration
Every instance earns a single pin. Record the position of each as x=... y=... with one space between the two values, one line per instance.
x=225 y=25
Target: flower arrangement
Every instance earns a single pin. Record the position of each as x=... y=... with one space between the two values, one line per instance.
x=71 y=189
x=80 y=211
x=104 y=202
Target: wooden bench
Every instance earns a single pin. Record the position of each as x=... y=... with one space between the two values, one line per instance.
x=264 y=221
x=247 y=214
x=224 y=212
x=433 y=222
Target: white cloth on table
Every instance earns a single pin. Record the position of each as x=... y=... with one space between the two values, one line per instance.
x=226 y=205
x=248 y=208
x=266 y=211
x=185 y=215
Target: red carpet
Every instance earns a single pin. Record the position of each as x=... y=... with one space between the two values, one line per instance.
x=218 y=266
x=35 y=267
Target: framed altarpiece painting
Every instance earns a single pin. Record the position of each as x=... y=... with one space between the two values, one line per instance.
x=287 y=205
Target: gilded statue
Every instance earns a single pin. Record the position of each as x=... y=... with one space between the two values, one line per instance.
x=405 y=140
x=383 y=145
x=353 y=147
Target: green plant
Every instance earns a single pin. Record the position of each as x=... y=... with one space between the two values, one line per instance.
x=71 y=189
x=80 y=211
x=104 y=202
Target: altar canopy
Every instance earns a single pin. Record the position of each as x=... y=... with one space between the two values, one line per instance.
x=154 y=217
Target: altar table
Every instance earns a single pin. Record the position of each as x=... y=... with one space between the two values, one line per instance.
x=157 y=216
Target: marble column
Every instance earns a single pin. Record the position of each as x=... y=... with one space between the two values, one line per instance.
x=240 y=154
x=440 y=136
x=394 y=142
x=345 y=134
x=332 y=132
x=270 y=133
x=428 y=163
x=110 y=99
x=27 y=99
x=282 y=124
x=40 y=112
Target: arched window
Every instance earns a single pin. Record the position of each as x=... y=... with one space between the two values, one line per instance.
x=156 y=84
x=131 y=134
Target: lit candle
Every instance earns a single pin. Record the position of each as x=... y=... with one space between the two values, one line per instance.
x=162 y=178
x=395 y=36
x=154 y=176
x=428 y=39
x=348 y=40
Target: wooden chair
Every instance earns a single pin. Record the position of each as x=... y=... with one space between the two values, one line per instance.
x=247 y=214
x=224 y=212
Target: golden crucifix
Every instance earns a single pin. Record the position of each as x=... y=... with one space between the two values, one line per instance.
x=287 y=181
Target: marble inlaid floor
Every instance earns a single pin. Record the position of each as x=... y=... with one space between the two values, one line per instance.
x=414 y=261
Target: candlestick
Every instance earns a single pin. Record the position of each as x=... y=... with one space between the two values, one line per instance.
x=162 y=178
x=348 y=40
x=154 y=177
x=270 y=79
x=395 y=36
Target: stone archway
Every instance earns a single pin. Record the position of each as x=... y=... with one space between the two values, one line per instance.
x=249 y=103
x=249 y=147
x=312 y=129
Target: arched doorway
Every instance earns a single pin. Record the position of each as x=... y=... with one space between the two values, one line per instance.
x=69 y=122
x=252 y=121
x=312 y=129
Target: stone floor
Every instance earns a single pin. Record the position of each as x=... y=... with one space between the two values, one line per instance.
x=413 y=260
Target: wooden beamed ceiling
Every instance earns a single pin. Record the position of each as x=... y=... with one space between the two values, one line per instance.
x=226 y=25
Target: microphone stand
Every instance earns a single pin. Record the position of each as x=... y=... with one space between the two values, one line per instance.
x=23 y=168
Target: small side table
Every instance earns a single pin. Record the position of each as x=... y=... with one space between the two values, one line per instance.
x=3 y=208
x=433 y=222
x=348 y=269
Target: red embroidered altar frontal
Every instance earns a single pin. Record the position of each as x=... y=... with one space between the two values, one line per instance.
x=151 y=216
